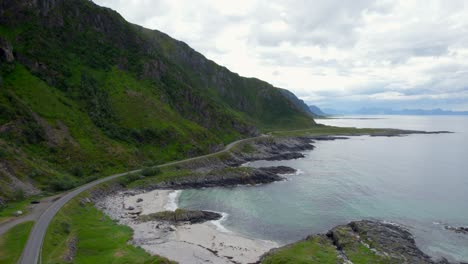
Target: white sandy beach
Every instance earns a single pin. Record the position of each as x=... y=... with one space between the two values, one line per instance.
x=184 y=243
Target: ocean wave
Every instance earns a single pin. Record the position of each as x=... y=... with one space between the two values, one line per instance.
x=246 y=164
x=219 y=223
x=298 y=172
x=172 y=200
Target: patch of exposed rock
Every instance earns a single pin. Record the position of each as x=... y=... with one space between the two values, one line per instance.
x=279 y=170
x=181 y=216
x=387 y=240
x=71 y=250
x=6 y=51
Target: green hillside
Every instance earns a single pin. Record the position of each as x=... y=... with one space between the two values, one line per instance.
x=83 y=94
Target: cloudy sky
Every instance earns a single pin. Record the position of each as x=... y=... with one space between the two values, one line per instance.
x=338 y=54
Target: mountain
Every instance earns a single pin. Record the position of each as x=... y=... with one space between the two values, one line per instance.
x=84 y=94
x=389 y=111
x=316 y=110
x=299 y=104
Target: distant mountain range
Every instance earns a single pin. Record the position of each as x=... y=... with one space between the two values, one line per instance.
x=388 y=111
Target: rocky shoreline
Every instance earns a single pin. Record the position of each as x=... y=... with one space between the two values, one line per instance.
x=226 y=171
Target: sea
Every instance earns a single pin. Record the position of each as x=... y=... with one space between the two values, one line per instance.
x=417 y=181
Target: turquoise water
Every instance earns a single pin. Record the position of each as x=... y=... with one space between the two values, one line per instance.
x=418 y=181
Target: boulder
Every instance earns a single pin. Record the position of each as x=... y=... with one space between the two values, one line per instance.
x=18 y=213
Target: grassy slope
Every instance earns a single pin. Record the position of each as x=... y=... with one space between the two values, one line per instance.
x=13 y=241
x=98 y=238
x=313 y=250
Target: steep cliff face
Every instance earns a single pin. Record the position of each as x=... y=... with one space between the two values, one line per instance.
x=85 y=93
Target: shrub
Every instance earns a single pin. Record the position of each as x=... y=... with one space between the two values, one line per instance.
x=66 y=228
x=63 y=184
x=3 y=153
x=18 y=195
x=150 y=171
x=77 y=171
x=129 y=178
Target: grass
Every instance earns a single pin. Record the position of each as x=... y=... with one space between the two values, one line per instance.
x=319 y=249
x=98 y=238
x=322 y=130
x=7 y=211
x=362 y=254
x=316 y=249
x=13 y=241
x=165 y=174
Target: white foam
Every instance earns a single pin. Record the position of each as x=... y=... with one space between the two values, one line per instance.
x=298 y=172
x=219 y=223
x=172 y=200
x=246 y=164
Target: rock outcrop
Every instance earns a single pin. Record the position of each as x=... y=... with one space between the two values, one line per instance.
x=357 y=242
x=181 y=216
x=6 y=51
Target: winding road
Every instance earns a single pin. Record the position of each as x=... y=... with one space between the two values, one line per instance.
x=32 y=251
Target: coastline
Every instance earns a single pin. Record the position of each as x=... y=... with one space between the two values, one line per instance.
x=207 y=242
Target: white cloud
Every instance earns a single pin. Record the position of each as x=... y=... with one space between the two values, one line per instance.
x=405 y=51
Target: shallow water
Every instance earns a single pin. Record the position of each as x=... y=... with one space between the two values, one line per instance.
x=419 y=181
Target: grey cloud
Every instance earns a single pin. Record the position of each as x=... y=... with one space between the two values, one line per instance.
x=395 y=38
x=322 y=23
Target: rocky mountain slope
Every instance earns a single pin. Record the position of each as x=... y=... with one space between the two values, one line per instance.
x=83 y=94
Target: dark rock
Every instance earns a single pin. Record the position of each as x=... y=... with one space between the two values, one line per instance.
x=153 y=69
x=139 y=200
x=6 y=51
x=71 y=249
x=279 y=170
x=460 y=230
x=181 y=215
x=286 y=156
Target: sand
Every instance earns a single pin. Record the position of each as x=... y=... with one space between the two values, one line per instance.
x=184 y=243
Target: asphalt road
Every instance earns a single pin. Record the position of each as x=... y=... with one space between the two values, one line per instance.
x=32 y=250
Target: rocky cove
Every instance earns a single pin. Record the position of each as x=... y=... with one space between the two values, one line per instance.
x=196 y=236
